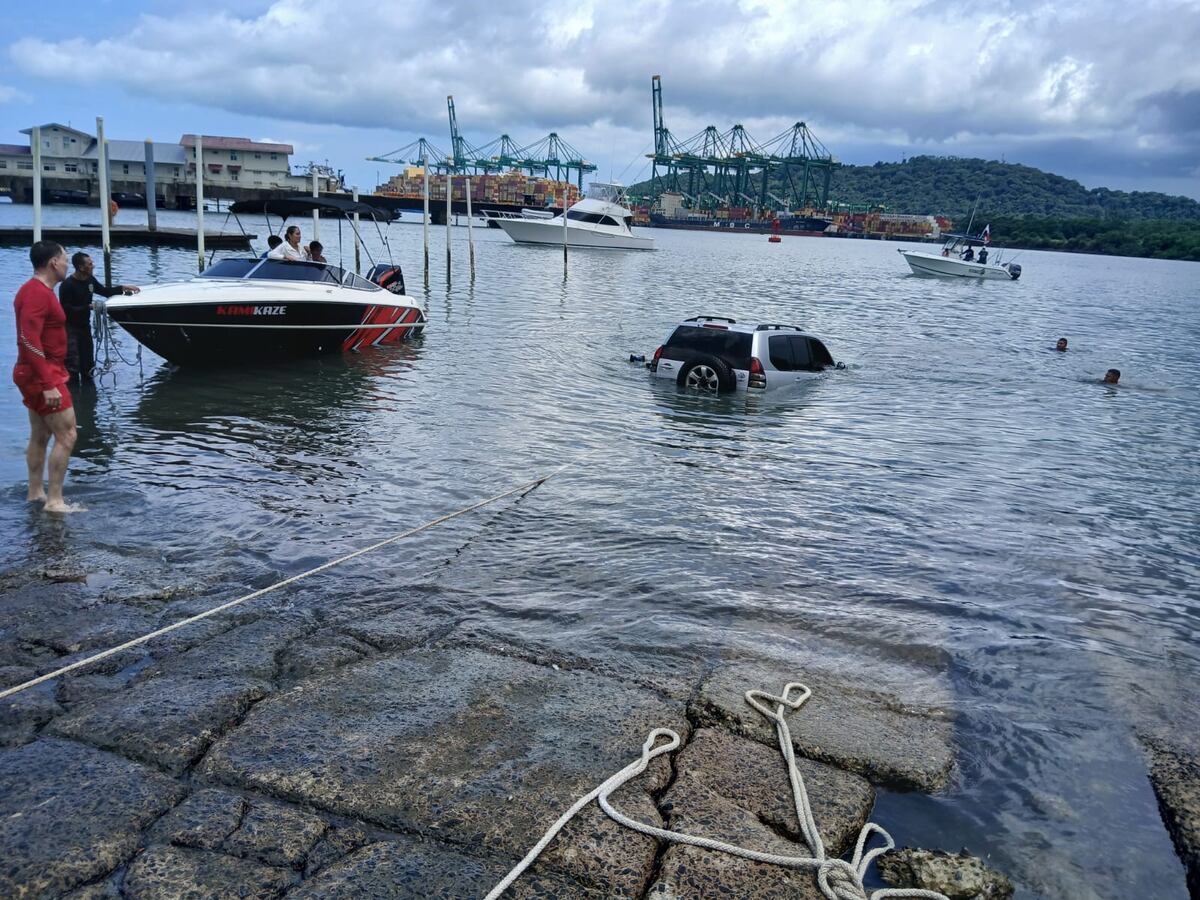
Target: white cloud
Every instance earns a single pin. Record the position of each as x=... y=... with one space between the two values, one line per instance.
x=12 y=95
x=902 y=72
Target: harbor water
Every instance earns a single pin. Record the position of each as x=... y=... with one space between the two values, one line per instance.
x=960 y=496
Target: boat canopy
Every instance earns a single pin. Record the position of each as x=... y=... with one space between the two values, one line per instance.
x=304 y=206
x=969 y=240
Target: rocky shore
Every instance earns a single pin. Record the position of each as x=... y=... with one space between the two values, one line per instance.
x=392 y=749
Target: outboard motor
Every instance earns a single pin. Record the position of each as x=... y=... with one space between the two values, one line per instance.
x=1014 y=270
x=388 y=277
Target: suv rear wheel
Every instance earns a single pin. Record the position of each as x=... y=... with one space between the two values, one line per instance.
x=707 y=373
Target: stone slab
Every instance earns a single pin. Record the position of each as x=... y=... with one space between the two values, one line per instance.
x=23 y=714
x=473 y=748
x=737 y=790
x=274 y=834
x=246 y=651
x=203 y=821
x=1175 y=776
x=180 y=873
x=168 y=721
x=958 y=876
x=69 y=814
x=410 y=869
x=900 y=745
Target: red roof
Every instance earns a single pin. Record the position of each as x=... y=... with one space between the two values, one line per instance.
x=11 y=149
x=216 y=142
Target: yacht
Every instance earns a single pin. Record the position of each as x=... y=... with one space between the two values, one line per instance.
x=598 y=221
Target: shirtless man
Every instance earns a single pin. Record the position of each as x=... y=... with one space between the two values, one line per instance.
x=41 y=374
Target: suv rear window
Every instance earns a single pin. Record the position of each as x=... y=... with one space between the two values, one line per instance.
x=731 y=346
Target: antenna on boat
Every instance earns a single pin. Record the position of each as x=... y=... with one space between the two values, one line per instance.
x=973 y=209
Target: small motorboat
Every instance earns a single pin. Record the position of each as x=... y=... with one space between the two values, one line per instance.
x=598 y=221
x=950 y=262
x=243 y=310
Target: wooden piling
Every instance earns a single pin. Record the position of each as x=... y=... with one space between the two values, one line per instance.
x=470 y=233
x=200 y=200
x=425 y=221
x=105 y=200
x=151 y=190
x=35 y=141
x=449 y=192
x=357 y=252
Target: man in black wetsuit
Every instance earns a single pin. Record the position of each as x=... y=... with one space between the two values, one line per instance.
x=75 y=295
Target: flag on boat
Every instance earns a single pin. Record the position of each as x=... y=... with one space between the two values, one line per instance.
x=987 y=234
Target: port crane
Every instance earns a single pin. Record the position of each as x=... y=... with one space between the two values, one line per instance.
x=551 y=156
x=719 y=167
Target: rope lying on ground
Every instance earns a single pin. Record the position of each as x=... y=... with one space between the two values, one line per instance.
x=837 y=879
x=79 y=664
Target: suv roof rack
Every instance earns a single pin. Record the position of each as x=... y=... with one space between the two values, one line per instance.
x=712 y=319
x=772 y=326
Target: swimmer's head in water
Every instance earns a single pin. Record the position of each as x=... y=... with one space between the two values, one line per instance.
x=1112 y=376
x=1061 y=346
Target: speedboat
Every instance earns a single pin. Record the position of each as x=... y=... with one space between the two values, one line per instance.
x=243 y=310
x=246 y=309
x=950 y=262
x=598 y=221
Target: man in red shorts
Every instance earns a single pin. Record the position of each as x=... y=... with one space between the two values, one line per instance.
x=41 y=374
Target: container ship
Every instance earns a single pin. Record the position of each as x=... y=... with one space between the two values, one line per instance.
x=803 y=225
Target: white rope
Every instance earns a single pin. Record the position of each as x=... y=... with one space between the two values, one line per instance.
x=837 y=878
x=79 y=664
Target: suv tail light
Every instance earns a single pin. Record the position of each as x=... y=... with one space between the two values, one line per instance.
x=758 y=377
x=657 y=357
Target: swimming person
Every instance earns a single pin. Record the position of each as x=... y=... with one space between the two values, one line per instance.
x=41 y=374
x=1061 y=346
x=1112 y=376
x=272 y=242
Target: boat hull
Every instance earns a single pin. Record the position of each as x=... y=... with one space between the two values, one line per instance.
x=540 y=231
x=245 y=328
x=923 y=263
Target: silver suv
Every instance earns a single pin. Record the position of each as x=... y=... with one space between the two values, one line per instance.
x=717 y=354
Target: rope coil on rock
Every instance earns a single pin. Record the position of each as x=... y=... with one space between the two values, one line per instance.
x=837 y=879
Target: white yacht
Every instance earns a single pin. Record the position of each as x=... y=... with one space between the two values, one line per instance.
x=598 y=221
x=951 y=263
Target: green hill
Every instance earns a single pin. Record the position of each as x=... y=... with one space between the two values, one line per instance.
x=948 y=186
x=941 y=185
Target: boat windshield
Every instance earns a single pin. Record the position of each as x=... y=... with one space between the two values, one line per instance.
x=257 y=269
x=230 y=268
x=609 y=193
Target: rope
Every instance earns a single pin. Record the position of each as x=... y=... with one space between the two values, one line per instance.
x=837 y=878
x=521 y=488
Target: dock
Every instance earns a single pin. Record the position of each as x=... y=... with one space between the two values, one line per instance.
x=126 y=236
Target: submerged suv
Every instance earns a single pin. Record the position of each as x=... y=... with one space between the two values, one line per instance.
x=716 y=354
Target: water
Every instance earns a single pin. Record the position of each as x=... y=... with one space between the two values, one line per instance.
x=961 y=496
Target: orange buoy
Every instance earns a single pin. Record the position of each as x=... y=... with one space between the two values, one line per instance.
x=774 y=239
x=113 y=209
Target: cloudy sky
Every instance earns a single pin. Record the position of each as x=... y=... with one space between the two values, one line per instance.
x=1106 y=92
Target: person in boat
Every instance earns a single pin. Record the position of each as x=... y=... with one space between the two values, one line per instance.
x=945 y=251
x=983 y=255
x=1061 y=346
x=315 y=253
x=272 y=242
x=969 y=254
x=76 y=295
x=290 y=249
x=1112 y=376
x=41 y=375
